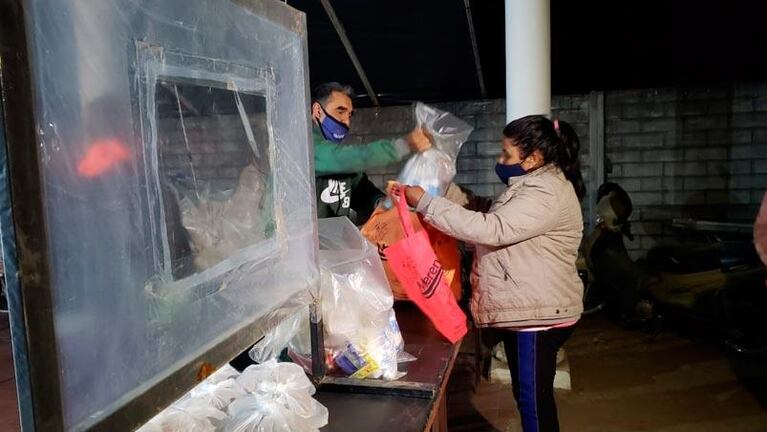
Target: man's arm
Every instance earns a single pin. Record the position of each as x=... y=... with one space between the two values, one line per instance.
x=331 y=158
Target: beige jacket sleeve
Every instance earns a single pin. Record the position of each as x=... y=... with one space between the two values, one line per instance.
x=532 y=211
x=466 y=198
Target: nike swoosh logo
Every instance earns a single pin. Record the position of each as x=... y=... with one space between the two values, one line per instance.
x=326 y=196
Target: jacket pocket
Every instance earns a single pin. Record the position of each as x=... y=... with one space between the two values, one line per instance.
x=506 y=274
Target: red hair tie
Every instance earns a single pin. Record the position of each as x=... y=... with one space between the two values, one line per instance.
x=556 y=126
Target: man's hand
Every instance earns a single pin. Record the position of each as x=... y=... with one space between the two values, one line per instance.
x=419 y=140
x=413 y=194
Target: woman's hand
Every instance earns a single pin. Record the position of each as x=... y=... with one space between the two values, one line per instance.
x=413 y=194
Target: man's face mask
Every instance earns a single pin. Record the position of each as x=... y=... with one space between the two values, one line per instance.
x=332 y=129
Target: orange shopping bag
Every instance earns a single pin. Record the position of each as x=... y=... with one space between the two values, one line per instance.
x=419 y=271
x=384 y=228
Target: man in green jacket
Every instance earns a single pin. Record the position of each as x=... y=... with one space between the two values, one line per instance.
x=342 y=187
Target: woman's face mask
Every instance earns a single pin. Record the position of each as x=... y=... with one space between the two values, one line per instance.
x=332 y=129
x=509 y=162
x=505 y=172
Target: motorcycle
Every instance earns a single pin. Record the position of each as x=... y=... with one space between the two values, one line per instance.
x=717 y=288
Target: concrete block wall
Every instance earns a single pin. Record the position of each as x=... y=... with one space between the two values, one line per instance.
x=217 y=147
x=680 y=152
x=687 y=153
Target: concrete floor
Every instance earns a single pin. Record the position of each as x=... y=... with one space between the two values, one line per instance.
x=629 y=381
x=622 y=381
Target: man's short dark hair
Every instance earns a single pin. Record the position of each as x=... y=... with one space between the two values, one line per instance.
x=323 y=91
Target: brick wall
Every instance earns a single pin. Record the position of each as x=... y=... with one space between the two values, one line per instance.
x=216 y=147
x=687 y=153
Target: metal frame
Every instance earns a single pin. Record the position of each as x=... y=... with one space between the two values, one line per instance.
x=350 y=50
x=39 y=349
x=35 y=351
x=475 y=49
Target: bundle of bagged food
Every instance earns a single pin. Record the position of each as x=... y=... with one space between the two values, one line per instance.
x=362 y=337
x=269 y=397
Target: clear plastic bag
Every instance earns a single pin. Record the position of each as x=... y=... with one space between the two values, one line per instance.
x=255 y=414
x=220 y=225
x=362 y=337
x=434 y=169
x=279 y=399
x=276 y=339
x=218 y=394
x=270 y=397
x=190 y=414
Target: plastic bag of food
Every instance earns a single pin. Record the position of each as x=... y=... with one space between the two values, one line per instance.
x=279 y=399
x=190 y=414
x=362 y=337
x=434 y=169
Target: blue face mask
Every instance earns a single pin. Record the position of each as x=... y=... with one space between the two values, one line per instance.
x=332 y=129
x=505 y=172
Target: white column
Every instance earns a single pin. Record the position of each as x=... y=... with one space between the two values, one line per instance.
x=528 y=58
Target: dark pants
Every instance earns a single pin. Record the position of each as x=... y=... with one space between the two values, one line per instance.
x=532 y=358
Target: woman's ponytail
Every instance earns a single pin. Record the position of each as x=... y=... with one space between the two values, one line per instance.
x=567 y=156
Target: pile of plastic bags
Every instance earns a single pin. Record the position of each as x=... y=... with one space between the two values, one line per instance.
x=270 y=397
x=362 y=337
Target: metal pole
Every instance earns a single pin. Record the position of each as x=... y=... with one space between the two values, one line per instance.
x=528 y=58
x=475 y=48
x=350 y=50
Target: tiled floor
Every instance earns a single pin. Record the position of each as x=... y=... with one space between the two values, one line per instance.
x=622 y=381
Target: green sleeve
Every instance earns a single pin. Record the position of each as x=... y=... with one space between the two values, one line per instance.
x=331 y=158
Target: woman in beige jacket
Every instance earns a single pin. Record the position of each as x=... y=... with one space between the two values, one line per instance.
x=524 y=279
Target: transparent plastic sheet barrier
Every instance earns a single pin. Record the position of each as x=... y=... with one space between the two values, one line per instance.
x=434 y=169
x=167 y=130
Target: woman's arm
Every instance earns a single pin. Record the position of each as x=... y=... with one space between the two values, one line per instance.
x=531 y=212
x=466 y=198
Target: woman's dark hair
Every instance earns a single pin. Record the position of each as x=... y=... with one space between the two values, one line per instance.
x=536 y=132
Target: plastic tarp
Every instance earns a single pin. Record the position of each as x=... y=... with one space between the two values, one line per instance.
x=176 y=168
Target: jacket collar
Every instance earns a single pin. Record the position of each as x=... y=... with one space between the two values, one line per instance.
x=549 y=167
